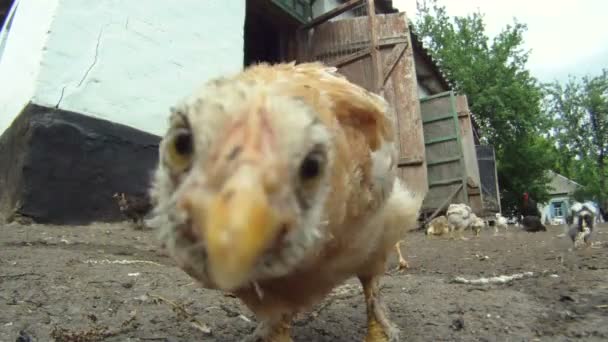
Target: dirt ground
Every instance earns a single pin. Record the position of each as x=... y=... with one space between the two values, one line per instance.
x=108 y=283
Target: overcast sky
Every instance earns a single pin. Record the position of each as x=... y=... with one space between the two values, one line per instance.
x=565 y=37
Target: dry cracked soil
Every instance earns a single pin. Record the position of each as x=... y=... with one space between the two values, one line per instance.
x=109 y=282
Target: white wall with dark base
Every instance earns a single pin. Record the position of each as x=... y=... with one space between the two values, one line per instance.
x=87 y=87
x=118 y=60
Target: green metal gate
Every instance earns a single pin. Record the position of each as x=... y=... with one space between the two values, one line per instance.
x=299 y=9
x=447 y=177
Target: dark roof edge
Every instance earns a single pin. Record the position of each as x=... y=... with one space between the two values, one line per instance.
x=428 y=58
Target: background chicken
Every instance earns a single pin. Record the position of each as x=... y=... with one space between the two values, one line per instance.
x=438 y=226
x=531 y=216
x=459 y=218
x=500 y=223
x=277 y=184
x=533 y=224
x=583 y=216
x=477 y=224
x=528 y=206
x=133 y=207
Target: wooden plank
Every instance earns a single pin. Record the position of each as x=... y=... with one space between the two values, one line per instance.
x=443 y=161
x=432 y=97
x=350 y=58
x=362 y=45
x=359 y=43
x=389 y=41
x=391 y=61
x=474 y=192
x=303 y=52
x=446 y=182
x=469 y=152
x=459 y=139
x=402 y=88
x=411 y=161
x=442 y=139
x=438 y=118
x=334 y=40
x=331 y=14
x=375 y=52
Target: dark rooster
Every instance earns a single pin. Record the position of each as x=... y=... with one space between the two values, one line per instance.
x=531 y=215
x=134 y=208
x=529 y=207
x=532 y=224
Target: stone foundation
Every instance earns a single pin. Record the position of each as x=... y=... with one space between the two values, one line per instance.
x=62 y=167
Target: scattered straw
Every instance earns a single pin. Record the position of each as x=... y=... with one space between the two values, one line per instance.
x=183 y=314
x=121 y=262
x=502 y=279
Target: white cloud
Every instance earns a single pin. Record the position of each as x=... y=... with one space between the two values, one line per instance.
x=565 y=37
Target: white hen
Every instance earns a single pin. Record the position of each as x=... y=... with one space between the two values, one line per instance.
x=501 y=222
x=459 y=218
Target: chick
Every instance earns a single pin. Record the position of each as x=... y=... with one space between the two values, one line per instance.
x=500 y=223
x=459 y=218
x=438 y=226
x=477 y=224
x=277 y=184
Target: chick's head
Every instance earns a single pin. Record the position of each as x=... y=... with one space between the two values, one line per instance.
x=242 y=181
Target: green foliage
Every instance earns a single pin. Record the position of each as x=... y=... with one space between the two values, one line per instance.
x=503 y=96
x=580 y=113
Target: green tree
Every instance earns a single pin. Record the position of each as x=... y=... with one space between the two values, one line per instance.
x=503 y=96
x=580 y=113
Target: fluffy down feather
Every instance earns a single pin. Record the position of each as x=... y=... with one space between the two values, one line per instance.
x=500 y=223
x=459 y=218
x=438 y=226
x=278 y=184
x=477 y=224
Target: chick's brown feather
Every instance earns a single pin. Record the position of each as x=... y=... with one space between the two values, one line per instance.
x=360 y=124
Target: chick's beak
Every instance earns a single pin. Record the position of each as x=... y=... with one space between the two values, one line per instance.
x=238 y=225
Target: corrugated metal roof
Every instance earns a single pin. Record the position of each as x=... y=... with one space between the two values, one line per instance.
x=428 y=57
x=561 y=184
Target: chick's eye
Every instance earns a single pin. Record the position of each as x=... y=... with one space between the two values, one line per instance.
x=183 y=143
x=180 y=149
x=312 y=165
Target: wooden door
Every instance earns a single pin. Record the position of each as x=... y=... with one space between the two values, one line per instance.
x=380 y=60
x=447 y=174
x=488 y=178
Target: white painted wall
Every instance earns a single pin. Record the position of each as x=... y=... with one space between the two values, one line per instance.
x=20 y=61
x=128 y=62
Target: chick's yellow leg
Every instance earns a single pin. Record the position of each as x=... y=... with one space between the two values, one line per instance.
x=272 y=331
x=402 y=262
x=379 y=327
